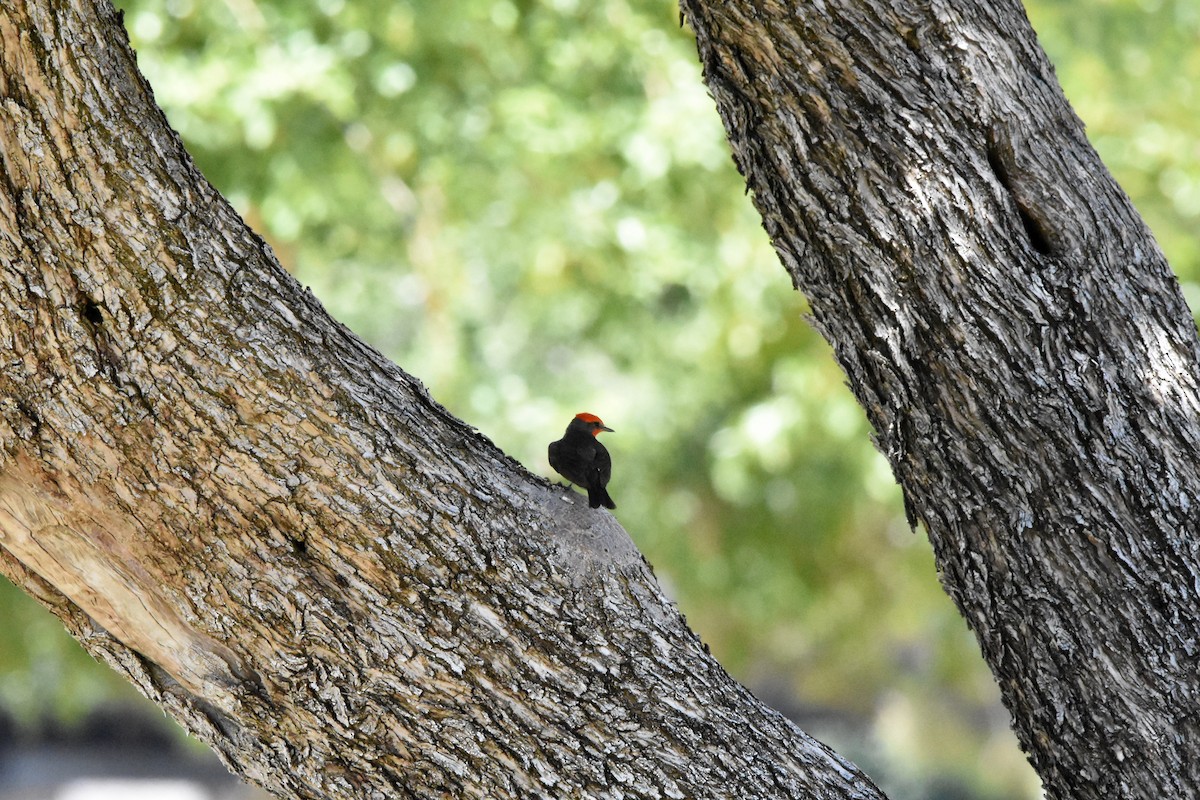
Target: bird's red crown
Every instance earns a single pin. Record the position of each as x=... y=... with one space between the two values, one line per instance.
x=586 y=417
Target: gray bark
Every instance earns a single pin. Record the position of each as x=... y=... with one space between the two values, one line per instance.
x=275 y=533
x=1019 y=344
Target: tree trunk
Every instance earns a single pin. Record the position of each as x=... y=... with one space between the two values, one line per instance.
x=1019 y=344
x=275 y=533
x=279 y=537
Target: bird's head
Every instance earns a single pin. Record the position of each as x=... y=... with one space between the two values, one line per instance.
x=590 y=423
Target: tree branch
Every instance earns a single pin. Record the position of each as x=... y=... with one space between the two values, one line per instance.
x=276 y=533
x=1019 y=344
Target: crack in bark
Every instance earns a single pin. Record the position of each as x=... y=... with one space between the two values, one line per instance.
x=1002 y=160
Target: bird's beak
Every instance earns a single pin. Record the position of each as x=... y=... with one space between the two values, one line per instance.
x=606 y=428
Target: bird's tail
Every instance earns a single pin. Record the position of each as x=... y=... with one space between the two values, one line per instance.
x=599 y=497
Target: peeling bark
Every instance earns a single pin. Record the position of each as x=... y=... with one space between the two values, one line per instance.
x=275 y=533
x=1017 y=339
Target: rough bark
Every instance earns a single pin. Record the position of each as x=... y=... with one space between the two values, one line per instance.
x=1019 y=343
x=275 y=533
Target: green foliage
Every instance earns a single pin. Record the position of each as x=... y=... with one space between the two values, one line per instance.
x=532 y=208
x=43 y=671
x=1132 y=70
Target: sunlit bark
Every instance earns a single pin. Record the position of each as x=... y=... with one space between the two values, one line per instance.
x=1019 y=344
x=275 y=533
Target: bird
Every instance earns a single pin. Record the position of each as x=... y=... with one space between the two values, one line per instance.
x=580 y=458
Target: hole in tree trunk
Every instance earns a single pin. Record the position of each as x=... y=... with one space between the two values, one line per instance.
x=1000 y=158
x=91 y=313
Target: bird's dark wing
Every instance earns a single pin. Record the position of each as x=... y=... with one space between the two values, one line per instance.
x=601 y=466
